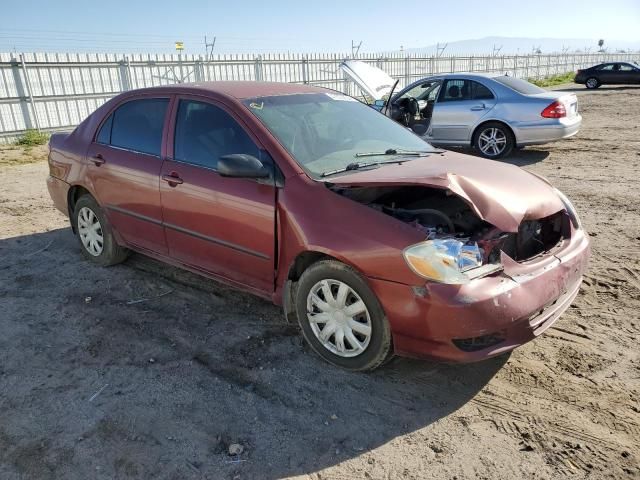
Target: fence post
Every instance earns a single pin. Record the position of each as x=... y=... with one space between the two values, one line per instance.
x=198 y=70
x=123 y=70
x=305 y=69
x=23 y=93
x=257 y=66
x=407 y=70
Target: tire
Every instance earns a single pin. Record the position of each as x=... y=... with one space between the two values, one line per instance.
x=592 y=83
x=372 y=350
x=489 y=132
x=96 y=242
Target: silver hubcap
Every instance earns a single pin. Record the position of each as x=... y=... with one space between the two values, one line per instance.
x=339 y=318
x=591 y=82
x=90 y=231
x=492 y=141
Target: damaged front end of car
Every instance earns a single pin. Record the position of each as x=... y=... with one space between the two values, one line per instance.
x=459 y=245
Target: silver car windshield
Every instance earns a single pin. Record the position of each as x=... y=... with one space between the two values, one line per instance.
x=326 y=132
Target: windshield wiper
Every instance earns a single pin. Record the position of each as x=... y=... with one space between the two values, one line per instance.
x=358 y=165
x=395 y=151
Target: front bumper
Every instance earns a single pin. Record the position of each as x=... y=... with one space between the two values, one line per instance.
x=435 y=321
x=547 y=130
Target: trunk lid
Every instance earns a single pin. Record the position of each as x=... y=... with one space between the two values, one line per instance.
x=373 y=81
x=502 y=194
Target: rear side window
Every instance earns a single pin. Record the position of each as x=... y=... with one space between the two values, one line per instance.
x=455 y=90
x=137 y=125
x=205 y=132
x=608 y=67
x=480 y=92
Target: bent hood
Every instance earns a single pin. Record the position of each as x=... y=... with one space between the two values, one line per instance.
x=375 y=82
x=502 y=194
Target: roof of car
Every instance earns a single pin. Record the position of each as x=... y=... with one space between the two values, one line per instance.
x=470 y=75
x=237 y=89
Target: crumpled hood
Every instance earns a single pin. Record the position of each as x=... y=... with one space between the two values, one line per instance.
x=502 y=194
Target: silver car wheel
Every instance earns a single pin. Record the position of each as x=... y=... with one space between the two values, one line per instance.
x=338 y=318
x=492 y=141
x=592 y=83
x=90 y=231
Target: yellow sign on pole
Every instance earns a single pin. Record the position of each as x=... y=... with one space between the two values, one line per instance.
x=179 y=46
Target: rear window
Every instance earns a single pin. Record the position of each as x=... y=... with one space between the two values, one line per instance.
x=519 y=85
x=137 y=125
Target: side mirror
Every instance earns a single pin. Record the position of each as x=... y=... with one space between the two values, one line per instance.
x=379 y=103
x=240 y=165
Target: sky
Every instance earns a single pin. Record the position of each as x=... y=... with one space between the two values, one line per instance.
x=253 y=26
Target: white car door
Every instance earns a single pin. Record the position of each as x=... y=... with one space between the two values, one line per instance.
x=460 y=106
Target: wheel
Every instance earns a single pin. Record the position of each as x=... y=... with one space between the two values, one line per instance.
x=341 y=317
x=494 y=140
x=95 y=235
x=592 y=82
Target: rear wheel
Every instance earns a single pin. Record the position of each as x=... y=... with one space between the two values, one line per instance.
x=95 y=234
x=592 y=82
x=494 y=140
x=341 y=317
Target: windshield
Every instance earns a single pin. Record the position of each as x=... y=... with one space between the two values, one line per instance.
x=519 y=85
x=326 y=132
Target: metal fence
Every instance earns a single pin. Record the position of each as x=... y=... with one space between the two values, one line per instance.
x=57 y=91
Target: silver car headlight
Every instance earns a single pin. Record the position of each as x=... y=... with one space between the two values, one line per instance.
x=444 y=260
x=571 y=210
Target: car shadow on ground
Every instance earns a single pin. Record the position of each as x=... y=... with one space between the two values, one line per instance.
x=145 y=370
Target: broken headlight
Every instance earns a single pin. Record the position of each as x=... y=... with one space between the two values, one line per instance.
x=444 y=260
x=571 y=210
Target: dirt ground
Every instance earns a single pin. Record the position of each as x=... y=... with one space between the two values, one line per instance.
x=145 y=371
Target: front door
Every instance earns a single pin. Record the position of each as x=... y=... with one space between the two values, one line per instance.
x=224 y=226
x=124 y=168
x=460 y=106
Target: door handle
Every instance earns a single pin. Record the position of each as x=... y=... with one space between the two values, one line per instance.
x=172 y=179
x=478 y=107
x=98 y=159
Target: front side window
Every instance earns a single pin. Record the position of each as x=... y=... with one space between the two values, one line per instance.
x=324 y=132
x=137 y=125
x=423 y=91
x=205 y=132
x=625 y=67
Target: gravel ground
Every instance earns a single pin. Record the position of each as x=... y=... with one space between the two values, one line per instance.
x=146 y=371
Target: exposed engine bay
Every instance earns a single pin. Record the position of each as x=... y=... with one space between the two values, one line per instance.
x=439 y=213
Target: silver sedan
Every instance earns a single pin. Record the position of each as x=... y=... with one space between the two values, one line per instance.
x=493 y=113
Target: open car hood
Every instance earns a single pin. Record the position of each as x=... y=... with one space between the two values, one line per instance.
x=501 y=194
x=373 y=81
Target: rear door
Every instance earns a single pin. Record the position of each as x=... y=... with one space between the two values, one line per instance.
x=124 y=167
x=461 y=105
x=224 y=226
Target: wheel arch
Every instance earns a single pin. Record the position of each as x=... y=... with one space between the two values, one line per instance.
x=73 y=195
x=492 y=120
x=302 y=261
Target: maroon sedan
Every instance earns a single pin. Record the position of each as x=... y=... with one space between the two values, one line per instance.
x=373 y=240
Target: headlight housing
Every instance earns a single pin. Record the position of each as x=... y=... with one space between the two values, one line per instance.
x=444 y=260
x=571 y=210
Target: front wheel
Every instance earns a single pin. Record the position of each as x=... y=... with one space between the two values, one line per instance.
x=95 y=235
x=592 y=83
x=341 y=317
x=494 y=140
